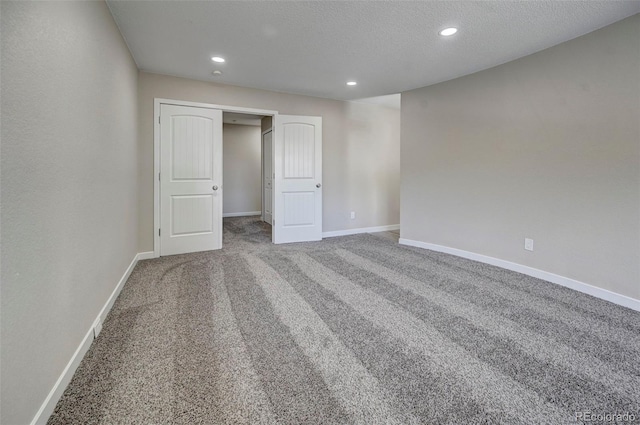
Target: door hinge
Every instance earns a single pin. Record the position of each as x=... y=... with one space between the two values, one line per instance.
x=158 y=232
x=158 y=119
x=158 y=176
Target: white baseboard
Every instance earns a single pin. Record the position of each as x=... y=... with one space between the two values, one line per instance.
x=242 y=214
x=146 y=255
x=360 y=230
x=56 y=392
x=604 y=294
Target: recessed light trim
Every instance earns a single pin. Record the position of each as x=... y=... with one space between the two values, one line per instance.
x=448 y=31
x=218 y=59
x=352 y=83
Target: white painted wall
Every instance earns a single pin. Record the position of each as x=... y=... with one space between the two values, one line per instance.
x=69 y=204
x=242 y=158
x=545 y=147
x=360 y=148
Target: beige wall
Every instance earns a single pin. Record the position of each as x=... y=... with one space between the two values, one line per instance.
x=361 y=155
x=242 y=165
x=69 y=195
x=546 y=147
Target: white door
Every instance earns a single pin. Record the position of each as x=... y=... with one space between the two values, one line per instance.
x=298 y=179
x=190 y=179
x=267 y=176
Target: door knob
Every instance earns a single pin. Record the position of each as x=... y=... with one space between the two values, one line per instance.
x=214 y=187
x=318 y=185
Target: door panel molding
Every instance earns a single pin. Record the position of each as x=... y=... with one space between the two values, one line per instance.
x=298 y=179
x=191 y=187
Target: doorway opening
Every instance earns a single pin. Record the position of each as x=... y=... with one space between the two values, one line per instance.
x=247 y=169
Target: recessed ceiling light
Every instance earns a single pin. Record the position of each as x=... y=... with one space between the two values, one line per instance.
x=217 y=73
x=217 y=59
x=448 y=31
x=351 y=83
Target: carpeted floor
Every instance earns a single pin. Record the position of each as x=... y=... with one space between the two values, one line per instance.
x=350 y=330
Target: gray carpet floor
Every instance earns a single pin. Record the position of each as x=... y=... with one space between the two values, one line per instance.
x=350 y=330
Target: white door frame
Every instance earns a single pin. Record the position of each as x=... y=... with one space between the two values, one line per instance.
x=156 y=150
x=262 y=169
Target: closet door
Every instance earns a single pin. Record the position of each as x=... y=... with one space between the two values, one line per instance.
x=190 y=179
x=298 y=179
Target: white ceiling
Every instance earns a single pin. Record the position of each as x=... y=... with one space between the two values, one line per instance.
x=314 y=47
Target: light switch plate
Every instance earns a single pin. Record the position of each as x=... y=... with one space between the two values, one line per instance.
x=528 y=244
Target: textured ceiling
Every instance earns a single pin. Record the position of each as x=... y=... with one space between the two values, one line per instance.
x=314 y=47
x=389 y=100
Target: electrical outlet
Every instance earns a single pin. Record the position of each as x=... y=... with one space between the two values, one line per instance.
x=528 y=244
x=353 y=215
x=97 y=327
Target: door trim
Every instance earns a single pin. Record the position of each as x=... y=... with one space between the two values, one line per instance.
x=156 y=150
x=262 y=211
